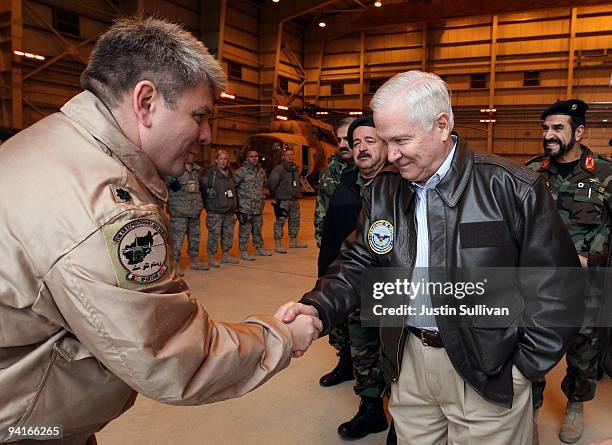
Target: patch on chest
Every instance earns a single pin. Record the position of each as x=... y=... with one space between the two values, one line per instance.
x=380 y=236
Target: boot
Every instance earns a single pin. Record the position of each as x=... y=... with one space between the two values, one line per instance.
x=226 y=258
x=261 y=252
x=343 y=371
x=179 y=270
x=571 y=430
x=295 y=245
x=370 y=418
x=196 y=265
x=536 y=438
x=244 y=255
x=212 y=261
x=279 y=248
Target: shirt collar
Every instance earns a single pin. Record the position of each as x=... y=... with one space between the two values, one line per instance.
x=91 y=113
x=442 y=170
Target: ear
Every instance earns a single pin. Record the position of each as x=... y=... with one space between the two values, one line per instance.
x=578 y=133
x=443 y=125
x=144 y=101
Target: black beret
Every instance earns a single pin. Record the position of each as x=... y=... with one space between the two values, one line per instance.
x=365 y=121
x=572 y=107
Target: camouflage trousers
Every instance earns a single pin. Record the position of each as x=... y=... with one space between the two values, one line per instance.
x=364 y=343
x=178 y=228
x=220 y=225
x=250 y=224
x=292 y=208
x=580 y=381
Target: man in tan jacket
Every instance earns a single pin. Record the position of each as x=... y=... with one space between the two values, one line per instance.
x=91 y=309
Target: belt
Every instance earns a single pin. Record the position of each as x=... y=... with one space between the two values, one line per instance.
x=428 y=338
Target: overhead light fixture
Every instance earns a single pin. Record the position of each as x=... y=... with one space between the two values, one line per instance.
x=488 y=110
x=355 y=113
x=275 y=1
x=322 y=24
x=378 y=4
x=28 y=55
x=283 y=118
x=484 y=121
x=282 y=107
x=322 y=112
x=226 y=95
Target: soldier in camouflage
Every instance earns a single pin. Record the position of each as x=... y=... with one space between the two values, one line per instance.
x=219 y=194
x=284 y=185
x=580 y=181
x=249 y=181
x=370 y=155
x=185 y=207
x=339 y=335
x=330 y=177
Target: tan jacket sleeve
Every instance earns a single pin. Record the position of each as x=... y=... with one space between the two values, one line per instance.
x=157 y=338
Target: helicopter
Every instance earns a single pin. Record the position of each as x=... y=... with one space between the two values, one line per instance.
x=313 y=143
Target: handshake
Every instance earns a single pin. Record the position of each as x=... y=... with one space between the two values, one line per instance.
x=304 y=323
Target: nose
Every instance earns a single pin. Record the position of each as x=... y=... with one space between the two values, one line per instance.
x=547 y=133
x=204 y=136
x=393 y=154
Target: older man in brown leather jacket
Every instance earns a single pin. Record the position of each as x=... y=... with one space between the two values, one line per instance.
x=91 y=309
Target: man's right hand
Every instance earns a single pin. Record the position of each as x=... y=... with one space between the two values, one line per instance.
x=303 y=320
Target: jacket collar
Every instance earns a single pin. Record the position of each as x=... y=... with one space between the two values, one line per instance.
x=455 y=181
x=91 y=113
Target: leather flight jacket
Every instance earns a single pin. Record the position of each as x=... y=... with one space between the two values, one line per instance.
x=486 y=212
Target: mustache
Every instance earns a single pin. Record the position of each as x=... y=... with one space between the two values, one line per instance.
x=363 y=154
x=552 y=139
x=344 y=149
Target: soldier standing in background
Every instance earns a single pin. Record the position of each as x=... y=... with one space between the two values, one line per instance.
x=219 y=194
x=284 y=185
x=249 y=181
x=185 y=208
x=339 y=335
x=370 y=156
x=330 y=178
x=580 y=181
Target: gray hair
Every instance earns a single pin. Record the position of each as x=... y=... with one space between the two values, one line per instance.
x=152 y=49
x=424 y=95
x=346 y=121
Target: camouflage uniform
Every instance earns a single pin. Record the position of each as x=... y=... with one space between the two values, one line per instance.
x=284 y=184
x=249 y=181
x=583 y=200
x=185 y=207
x=219 y=193
x=330 y=178
x=339 y=336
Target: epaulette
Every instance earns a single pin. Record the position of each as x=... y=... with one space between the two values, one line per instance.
x=519 y=171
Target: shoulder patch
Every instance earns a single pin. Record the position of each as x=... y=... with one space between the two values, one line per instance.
x=380 y=236
x=139 y=251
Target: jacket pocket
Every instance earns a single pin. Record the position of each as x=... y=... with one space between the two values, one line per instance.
x=588 y=206
x=76 y=391
x=491 y=339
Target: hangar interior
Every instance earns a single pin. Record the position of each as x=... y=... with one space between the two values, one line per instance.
x=494 y=55
x=504 y=61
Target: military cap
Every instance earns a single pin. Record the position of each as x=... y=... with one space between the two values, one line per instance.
x=365 y=121
x=572 y=107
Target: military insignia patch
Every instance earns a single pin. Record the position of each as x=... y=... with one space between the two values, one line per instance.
x=380 y=236
x=120 y=194
x=589 y=163
x=545 y=164
x=142 y=250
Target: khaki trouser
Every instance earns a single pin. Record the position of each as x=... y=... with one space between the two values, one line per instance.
x=432 y=405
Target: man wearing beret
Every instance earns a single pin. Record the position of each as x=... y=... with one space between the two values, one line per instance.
x=580 y=181
x=369 y=154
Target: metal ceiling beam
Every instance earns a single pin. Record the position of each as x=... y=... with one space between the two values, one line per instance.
x=435 y=10
x=285 y=11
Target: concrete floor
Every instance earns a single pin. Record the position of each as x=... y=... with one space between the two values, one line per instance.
x=292 y=408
